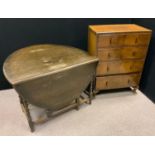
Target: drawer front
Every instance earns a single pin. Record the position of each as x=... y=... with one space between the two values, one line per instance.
x=117 y=81
x=118 y=67
x=137 y=39
x=110 y=40
x=123 y=40
x=107 y=54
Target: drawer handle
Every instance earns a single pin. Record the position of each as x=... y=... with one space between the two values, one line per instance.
x=129 y=82
x=107 y=68
x=106 y=83
x=109 y=56
x=136 y=41
x=133 y=53
x=110 y=40
x=131 y=67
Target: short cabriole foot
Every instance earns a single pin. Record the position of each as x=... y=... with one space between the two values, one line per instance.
x=134 y=89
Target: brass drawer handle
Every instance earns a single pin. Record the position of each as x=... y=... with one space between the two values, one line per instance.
x=133 y=53
x=131 y=67
x=136 y=41
x=106 y=83
x=110 y=40
x=107 y=68
x=109 y=56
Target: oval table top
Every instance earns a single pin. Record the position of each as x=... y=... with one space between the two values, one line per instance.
x=38 y=60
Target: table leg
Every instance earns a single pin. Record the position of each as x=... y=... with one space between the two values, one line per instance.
x=77 y=100
x=25 y=108
x=90 y=92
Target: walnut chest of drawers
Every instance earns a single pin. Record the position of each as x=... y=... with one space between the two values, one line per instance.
x=121 y=50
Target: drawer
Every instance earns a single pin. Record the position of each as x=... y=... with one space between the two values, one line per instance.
x=117 y=81
x=138 y=39
x=107 y=54
x=123 y=39
x=118 y=67
x=110 y=40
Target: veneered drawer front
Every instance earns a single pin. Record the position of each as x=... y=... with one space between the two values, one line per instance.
x=118 y=67
x=138 y=39
x=123 y=39
x=110 y=40
x=117 y=81
x=107 y=54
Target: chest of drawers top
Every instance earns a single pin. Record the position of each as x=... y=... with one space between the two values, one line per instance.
x=118 y=28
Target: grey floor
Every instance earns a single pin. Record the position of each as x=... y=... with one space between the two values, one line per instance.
x=119 y=113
